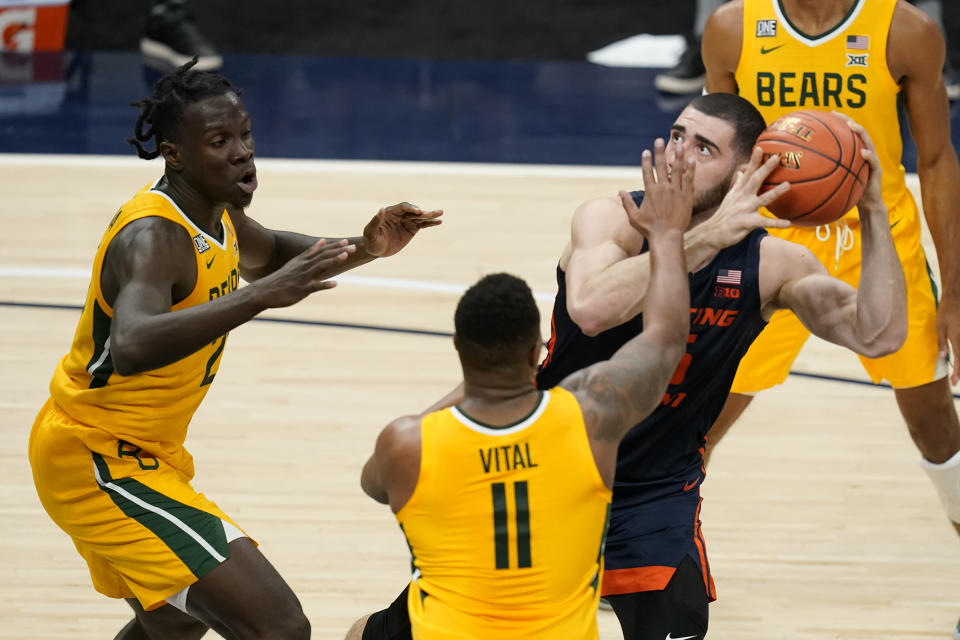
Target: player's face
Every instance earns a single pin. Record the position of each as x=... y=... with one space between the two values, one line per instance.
x=710 y=140
x=216 y=147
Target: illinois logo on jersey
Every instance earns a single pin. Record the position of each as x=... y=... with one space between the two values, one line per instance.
x=766 y=28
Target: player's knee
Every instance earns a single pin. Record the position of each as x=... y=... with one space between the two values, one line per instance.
x=946 y=478
x=295 y=627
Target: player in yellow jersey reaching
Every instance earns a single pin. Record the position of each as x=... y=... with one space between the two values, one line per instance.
x=505 y=497
x=861 y=57
x=864 y=57
x=107 y=448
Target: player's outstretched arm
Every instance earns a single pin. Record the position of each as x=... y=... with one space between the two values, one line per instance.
x=871 y=320
x=616 y=394
x=263 y=251
x=152 y=259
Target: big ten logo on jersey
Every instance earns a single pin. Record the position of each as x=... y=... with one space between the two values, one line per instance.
x=232 y=283
x=811 y=89
x=766 y=28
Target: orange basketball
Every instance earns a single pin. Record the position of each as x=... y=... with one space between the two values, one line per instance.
x=820 y=158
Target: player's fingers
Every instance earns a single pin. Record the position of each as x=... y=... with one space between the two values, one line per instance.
x=689 y=171
x=646 y=170
x=315 y=248
x=770 y=223
x=764 y=199
x=423 y=224
x=660 y=159
x=764 y=171
x=321 y=285
x=401 y=208
x=627 y=200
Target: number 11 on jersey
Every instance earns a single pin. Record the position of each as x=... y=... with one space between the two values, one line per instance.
x=501 y=537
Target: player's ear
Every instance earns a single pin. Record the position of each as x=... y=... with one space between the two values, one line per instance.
x=171 y=154
x=533 y=358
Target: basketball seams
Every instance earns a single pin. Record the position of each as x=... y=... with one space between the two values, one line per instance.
x=840 y=186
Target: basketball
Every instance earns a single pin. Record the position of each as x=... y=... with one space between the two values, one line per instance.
x=820 y=158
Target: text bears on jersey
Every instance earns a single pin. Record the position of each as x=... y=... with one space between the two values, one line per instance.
x=811 y=89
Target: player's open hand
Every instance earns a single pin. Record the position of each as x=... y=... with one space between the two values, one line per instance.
x=393 y=227
x=668 y=192
x=872 y=199
x=739 y=212
x=304 y=274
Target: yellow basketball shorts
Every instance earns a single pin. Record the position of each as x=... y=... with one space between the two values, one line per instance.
x=143 y=530
x=837 y=245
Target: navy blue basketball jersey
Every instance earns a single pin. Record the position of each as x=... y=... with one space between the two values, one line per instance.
x=662 y=455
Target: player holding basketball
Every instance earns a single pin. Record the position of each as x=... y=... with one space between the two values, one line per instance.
x=504 y=498
x=107 y=448
x=860 y=58
x=657 y=574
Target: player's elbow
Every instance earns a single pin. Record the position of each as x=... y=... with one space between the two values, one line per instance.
x=588 y=317
x=128 y=355
x=889 y=341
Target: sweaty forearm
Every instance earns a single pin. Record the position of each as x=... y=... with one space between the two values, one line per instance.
x=666 y=320
x=881 y=293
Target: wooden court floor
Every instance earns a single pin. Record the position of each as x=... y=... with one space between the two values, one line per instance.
x=818 y=521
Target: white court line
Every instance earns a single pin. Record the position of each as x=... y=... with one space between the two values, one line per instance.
x=423 y=286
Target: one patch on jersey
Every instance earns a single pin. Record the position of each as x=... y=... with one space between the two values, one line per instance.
x=857 y=59
x=766 y=28
x=201 y=243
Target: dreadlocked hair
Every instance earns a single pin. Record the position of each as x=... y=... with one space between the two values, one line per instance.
x=160 y=114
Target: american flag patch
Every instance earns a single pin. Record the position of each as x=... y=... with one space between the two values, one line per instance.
x=858 y=42
x=728 y=276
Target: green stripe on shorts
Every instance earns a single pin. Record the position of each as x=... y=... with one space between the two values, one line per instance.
x=195 y=536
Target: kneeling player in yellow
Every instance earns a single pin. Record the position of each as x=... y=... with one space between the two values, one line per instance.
x=107 y=448
x=504 y=498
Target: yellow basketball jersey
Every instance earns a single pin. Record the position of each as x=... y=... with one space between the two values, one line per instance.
x=150 y=410
x=506 y=526
x=845 y=69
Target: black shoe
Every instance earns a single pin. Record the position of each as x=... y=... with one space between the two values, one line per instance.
x=171 y=39
x=687 y=76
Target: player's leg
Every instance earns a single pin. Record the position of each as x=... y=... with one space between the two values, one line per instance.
x=919 y=376
x=678 y=611
x=392 y=623
x=766 y=364
x=245 y=597
x=165 y=622
x=931 y=419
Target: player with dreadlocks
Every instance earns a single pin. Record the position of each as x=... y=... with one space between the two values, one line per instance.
x=107 y=448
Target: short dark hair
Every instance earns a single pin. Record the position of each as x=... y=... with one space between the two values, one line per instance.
x=163 y=111
x=497 y=321
x=747 y=121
